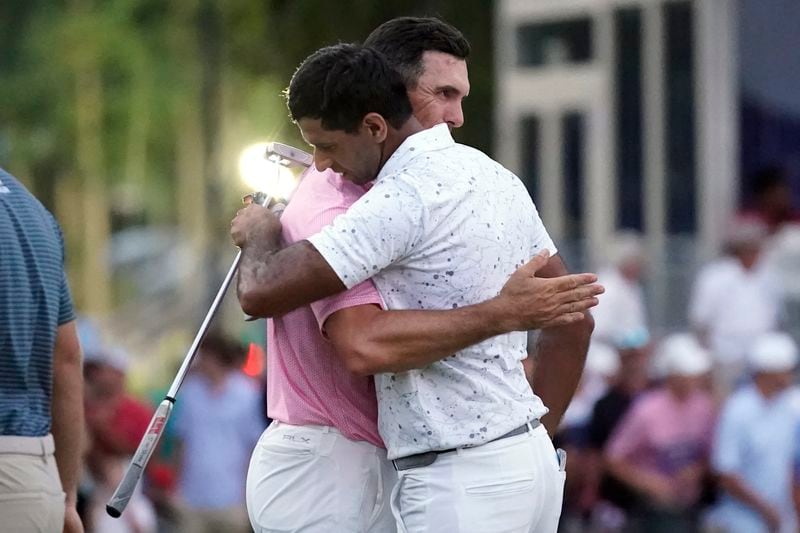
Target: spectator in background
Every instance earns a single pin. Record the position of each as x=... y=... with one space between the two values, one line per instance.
x=756 y=445
x=772 y=200
x=116 y=422
x=604 y=498
x=218 y=422
x=734 y=300
x=41 y=420
x=660 y=449
x=602 y=364
x=622 y=308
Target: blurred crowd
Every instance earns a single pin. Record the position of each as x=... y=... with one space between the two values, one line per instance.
x=196 y=479
x=696 y=430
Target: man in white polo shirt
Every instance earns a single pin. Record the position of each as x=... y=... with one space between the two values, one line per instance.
x=464 y=430
x=324 y=439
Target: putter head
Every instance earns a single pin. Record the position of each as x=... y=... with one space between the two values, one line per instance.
x=288 y=156
x=257 y=197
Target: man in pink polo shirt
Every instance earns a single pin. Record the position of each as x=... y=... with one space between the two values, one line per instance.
x=322 y=466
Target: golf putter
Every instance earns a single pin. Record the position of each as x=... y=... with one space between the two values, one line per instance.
x=284 y=155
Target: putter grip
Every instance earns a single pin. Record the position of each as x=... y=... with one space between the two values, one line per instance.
x=116 y=505
x=122 y=495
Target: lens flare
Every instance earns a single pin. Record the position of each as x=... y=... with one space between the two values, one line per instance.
x=262 y=174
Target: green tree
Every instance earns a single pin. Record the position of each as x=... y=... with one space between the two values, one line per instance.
x=133 y=112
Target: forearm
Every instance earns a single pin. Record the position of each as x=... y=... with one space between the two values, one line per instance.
x=67 y=409
x=638 y=479
x=737 y=489
x=274 y=281
x=396 y=341
x=374 y=341
x=561 y=354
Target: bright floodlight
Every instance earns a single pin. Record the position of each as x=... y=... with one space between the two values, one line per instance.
x=262 y=174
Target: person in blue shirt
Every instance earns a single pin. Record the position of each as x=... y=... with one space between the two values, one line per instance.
x=41 y=400
x=756 y=445
x=218 y=423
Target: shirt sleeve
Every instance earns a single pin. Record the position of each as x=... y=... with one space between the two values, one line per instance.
x=66 y=310
x=726 y=453
x=380 y=229
x=541 y=239
x=364 y=293
x=630 y=435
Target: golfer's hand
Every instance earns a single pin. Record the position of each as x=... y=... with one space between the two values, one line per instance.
x=255 y=223
x=530 y=302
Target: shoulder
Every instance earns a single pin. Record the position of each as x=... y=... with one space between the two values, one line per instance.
x=192 y=385
x=18 y=198
x=327 y=185
x=792 y=398
x=724 y=266
x=320 y=197
x=314 y=187
x=742 y=403
x=244 y=386
x=408 y=183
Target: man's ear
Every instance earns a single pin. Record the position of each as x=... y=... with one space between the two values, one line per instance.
x=375 y=126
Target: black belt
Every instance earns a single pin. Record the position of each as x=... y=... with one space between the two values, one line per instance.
x=428 y=458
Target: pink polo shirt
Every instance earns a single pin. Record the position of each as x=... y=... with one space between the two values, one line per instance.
x=664 y=435
x=306 y=381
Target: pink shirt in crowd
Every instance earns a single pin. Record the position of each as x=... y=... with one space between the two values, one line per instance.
x=306 y=382
x=664 y=435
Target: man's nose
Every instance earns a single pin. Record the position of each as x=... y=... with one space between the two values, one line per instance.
x=455 y=116
x=321 y=162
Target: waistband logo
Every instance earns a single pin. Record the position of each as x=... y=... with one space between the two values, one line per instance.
x=296 y=438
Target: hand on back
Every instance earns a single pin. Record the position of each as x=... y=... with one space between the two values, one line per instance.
x=531 y=302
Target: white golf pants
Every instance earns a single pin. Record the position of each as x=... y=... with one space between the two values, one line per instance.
x=510 y=485
x=315 y=480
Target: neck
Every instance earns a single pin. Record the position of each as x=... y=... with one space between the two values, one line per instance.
x=767 y=390
x=681 y=394
x=396 y=137
x=217 y=378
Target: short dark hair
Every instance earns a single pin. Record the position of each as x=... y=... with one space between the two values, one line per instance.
x=403 y=40
x=767 y=179
x=223 y=349
x=340 y=84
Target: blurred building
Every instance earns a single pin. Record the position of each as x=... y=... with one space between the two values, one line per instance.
x=642 y=115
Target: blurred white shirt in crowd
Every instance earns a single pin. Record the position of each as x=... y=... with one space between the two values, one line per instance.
x=733 y=306
x=621 y=309
x=602 y=364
